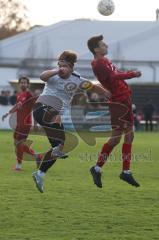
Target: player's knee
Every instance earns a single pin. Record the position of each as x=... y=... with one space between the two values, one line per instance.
x=129 y=138
x=132 y=136
x=114 y=141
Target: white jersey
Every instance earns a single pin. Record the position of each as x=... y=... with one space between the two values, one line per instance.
x=62 y=90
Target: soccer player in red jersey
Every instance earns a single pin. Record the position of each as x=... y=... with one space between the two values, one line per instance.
x=23 y=109
x=122 y=124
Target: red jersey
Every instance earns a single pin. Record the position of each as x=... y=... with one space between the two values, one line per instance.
x=112 y=79
x=24 y=116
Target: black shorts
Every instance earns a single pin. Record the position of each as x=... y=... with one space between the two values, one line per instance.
x=55 y=132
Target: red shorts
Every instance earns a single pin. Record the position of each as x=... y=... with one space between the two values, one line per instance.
x=21 y=133
x=121 y=114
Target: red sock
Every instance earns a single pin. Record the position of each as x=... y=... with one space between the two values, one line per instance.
x=126 y=156
x=19 y=153
x=106 y=150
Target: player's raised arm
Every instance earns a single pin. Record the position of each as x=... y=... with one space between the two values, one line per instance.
x=44 y=76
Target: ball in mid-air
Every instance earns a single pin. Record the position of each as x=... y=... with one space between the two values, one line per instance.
x=106 y=7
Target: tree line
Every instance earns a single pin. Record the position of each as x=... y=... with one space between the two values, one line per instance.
x=13 y=18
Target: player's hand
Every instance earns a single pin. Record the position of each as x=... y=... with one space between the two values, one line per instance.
x=138 y=74
x=4 y=116
x=19 y=105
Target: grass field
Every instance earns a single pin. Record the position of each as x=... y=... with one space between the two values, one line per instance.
x=72 y=208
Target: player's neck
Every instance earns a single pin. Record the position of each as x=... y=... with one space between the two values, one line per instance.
x=98 y=56
x=24 y=90
x=66 y=77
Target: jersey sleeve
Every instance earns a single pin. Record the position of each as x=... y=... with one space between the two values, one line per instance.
x=107 y=69
x=123 y=75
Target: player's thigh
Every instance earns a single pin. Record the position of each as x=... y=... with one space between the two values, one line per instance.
x=21 y=134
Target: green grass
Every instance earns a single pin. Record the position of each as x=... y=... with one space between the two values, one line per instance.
x=72 y=208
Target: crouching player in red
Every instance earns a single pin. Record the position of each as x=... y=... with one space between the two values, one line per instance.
x=23 y=109
x=122 y=124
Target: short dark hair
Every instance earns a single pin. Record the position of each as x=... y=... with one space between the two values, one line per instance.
x=93 y=42
x=25 y=78
x=68 y=56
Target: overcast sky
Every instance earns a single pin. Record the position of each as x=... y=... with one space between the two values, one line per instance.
x=50 y=11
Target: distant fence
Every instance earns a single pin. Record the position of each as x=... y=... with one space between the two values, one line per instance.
x=3 y=110
x=81 y=119
x=78 y=118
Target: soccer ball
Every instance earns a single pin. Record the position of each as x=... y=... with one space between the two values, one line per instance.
x=106 y=7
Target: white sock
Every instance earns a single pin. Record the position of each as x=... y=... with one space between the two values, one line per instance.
x=127 y=171
x=97 y=168
x=40 y=173
x=57 y=148
x=19 y=165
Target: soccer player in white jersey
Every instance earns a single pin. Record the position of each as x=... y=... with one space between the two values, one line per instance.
x=61 y=85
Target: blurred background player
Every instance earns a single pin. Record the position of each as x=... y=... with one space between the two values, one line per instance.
x=148 y=111
x=22 y=126
x=113 y=80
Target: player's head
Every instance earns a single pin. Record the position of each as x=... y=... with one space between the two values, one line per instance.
x=67 y=60
x=69 y=57
x=24 y=83
x=97 y=46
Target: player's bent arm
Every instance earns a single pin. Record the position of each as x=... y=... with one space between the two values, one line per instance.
x=12 y=110
x=87 y=85
x=125 y=75
x=44 y=76
x=16 y=107
x=101 y=91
